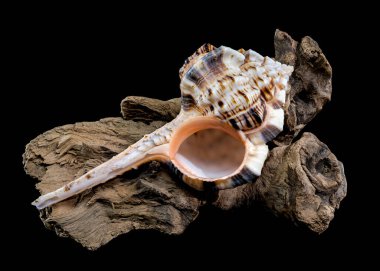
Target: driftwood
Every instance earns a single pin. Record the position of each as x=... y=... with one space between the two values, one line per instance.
x=146 y=110
x=311 y=82
x=147 y=198
x=302 y=181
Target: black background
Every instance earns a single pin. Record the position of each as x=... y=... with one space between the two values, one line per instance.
x=78 y=66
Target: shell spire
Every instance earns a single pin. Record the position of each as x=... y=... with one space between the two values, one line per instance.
x=239 y=88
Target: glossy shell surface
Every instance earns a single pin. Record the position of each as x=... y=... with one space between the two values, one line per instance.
x=232 y=105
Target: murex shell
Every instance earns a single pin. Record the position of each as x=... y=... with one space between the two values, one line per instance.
x=232 y=105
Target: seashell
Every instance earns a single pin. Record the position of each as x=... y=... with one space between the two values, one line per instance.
x=232 y=105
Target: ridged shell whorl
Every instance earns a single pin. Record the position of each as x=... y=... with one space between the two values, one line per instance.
x=239 y=87
x=231 y=106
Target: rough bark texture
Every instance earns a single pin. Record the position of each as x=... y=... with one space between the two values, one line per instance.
x=142 y=109
x=310 y=82
x=303 y=181
x=147 y=198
